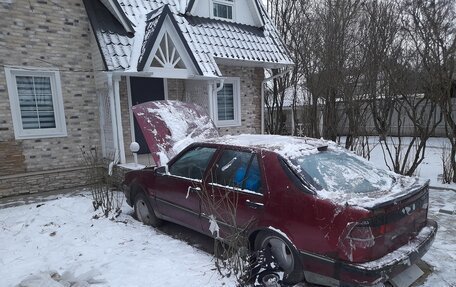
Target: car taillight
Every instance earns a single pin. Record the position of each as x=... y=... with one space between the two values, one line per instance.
x=357 y=240
x=361 y=236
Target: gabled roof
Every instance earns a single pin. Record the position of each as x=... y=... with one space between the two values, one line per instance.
x=155 y=20
x=208 y=41
x=114 y=7
x=113 y=40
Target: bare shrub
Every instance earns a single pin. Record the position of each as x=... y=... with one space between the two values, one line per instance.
x=232 y=254
x=359 y=145
x=101 y=182
x=397 y=157
x=447 y=175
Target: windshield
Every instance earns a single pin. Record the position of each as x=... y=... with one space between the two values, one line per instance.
x=336 y=171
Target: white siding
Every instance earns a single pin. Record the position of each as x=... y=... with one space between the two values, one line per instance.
x=244 y=12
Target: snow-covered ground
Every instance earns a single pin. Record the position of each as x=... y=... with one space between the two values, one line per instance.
x=61 y=235
x=442 y=255
x=431 y=167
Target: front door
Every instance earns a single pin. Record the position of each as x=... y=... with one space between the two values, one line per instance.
x=145 y=90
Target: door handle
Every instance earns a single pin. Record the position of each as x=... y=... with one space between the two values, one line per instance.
x=192 y=189
x=254 y=205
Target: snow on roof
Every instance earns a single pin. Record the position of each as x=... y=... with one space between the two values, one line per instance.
x=208 y=39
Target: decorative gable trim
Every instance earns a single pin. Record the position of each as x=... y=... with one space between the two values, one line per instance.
x=159 y=29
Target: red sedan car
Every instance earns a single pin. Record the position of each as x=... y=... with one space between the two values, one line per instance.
x=326 y=215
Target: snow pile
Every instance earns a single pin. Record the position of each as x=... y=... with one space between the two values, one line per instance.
x=62 y=235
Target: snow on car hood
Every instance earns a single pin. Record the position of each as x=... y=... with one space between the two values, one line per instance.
x=170 y=126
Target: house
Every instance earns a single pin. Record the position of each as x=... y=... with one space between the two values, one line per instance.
x=72 y=70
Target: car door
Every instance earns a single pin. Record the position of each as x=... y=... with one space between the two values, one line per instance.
x=178 y=190
x=235 y=192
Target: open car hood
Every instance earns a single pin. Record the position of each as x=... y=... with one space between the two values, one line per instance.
x=170 y=126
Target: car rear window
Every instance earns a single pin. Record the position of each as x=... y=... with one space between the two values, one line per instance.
x=340 y=171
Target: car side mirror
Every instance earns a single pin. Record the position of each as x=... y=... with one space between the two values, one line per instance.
x=162 y=170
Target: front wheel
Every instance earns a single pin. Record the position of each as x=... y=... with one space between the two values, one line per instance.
x=144 y=212
x=284 y=254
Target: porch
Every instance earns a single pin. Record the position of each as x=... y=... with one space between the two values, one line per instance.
x=220 y=97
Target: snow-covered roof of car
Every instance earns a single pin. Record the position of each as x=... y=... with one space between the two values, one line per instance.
x=388 y=185
x=287 y=146
x=206 y=39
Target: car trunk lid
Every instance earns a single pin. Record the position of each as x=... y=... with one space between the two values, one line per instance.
x=392 y=224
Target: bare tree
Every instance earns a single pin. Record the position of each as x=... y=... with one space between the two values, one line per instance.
x=432 y=30
x=285 y=15
x=306 y=44
x=383 y=67
x=414 y=113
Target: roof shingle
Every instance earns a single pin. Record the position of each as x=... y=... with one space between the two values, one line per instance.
x=208 y=39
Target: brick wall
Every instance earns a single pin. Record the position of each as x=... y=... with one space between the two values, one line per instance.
x=48 y=34
x=251 y=79
x=34 y=182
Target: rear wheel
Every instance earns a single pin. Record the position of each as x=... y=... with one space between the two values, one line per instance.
x=284 y=253
x=144 y=211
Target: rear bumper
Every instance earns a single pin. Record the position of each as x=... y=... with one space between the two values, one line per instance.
x=382 y=269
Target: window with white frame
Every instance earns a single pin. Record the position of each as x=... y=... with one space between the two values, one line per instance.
x=223 y=9
x=36 y=103
x=227 y=104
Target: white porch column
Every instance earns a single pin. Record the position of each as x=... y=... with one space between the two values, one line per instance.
x=112 y=107
x=210 y=90
x=121 y=144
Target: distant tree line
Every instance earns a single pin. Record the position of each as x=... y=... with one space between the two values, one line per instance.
x=373 y=59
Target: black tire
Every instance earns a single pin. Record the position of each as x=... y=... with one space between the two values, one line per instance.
x=289 y=262
x=144 y=211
